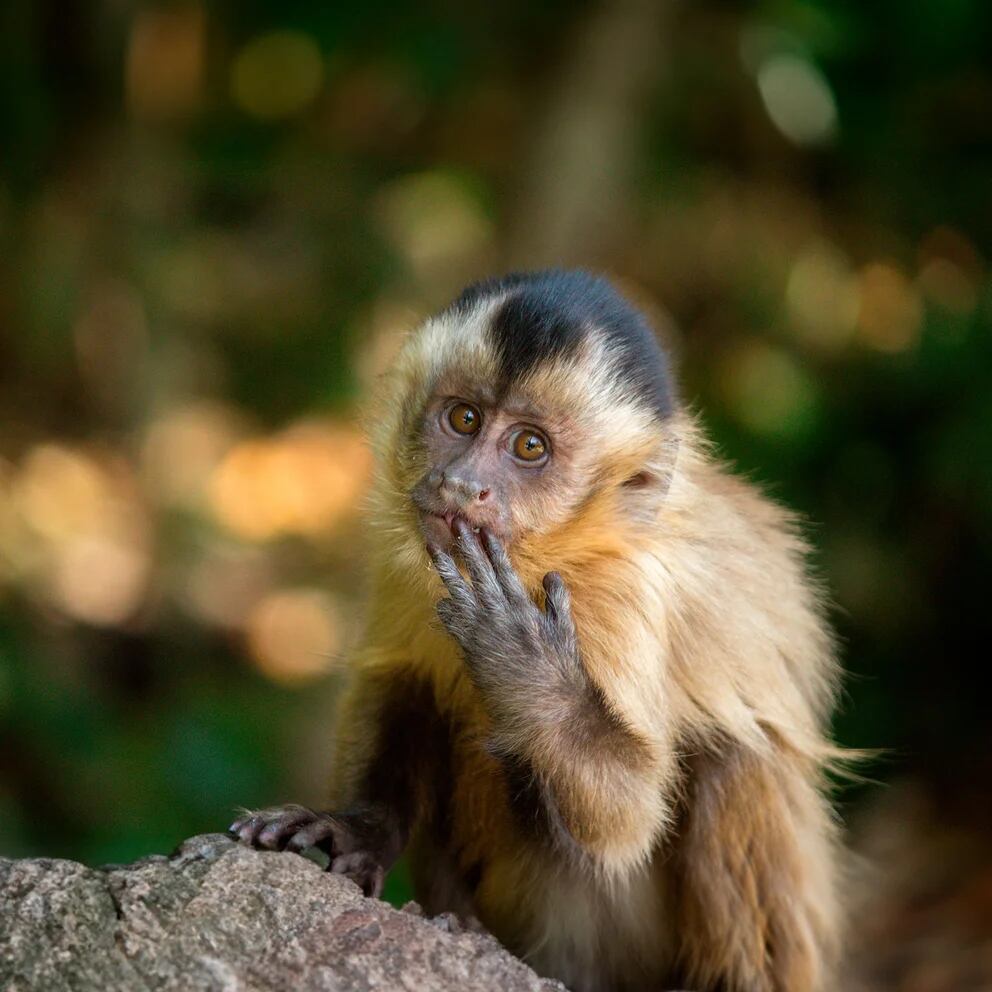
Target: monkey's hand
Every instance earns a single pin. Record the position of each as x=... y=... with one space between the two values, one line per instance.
x=508 y=641
x=341 y=837
x=596 y=778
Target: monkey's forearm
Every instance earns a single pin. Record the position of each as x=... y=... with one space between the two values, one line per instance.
x=530 y=695
x=600 y=783
x=598 y=778
x=389 y=745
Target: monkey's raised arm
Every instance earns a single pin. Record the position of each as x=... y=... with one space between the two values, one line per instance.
x=390 y=737
x=598 y=780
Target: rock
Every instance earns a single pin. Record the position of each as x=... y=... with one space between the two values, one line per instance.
x=219 y=916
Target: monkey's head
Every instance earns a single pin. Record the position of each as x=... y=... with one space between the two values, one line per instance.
x=533 y=400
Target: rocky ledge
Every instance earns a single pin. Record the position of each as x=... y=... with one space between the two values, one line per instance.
x=218 y=916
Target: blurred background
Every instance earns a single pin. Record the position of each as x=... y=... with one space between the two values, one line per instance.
x=216 y=222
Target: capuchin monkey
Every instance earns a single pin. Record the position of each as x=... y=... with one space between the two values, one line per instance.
x=591 y=703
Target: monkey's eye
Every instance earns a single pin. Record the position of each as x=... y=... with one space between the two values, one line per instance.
x=529 y=446
x=464 y=419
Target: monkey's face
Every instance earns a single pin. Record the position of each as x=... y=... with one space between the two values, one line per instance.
x=503 y=463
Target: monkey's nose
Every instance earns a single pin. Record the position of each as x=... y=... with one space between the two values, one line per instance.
x=463 y=492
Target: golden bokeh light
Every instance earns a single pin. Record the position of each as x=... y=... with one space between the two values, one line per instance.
x=208 y=275
x=767 y=390
x=295 y=635
x=77 y=533
x=221 y=588
x=61 y=492
x=165 y=61
x=434 y=220
x=951 y=270
x=184 y=447
x=890 y=312
x=373 y=106
x=948 y=285
x=277 y=75
x=382 y=332
x=822 y=296
x=302 y=481
x=213 y=275
x=798 y=99
x=7 y=522
x=100 y=580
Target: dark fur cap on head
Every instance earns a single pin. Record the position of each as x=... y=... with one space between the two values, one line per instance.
x=546 y=315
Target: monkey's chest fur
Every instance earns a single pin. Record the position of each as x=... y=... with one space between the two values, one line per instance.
x=488 y=852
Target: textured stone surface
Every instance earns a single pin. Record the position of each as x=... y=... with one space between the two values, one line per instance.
x=219 y=916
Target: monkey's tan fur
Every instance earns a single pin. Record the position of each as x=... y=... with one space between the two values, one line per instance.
x=707 y=848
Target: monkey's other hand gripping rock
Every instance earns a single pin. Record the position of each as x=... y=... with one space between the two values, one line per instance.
x=297 y=828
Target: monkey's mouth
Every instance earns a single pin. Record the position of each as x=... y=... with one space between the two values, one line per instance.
x=439 y=527
x=445 y=523
x=438 y=522
x=451 y=519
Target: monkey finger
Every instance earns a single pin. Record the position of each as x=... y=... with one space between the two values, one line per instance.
x=460 y=590
x=278 y=831
x=456 y=620
x=363 y=869
x=480 y=568
x=506 y=574
x=320 y=833
x=246 y=827
x=558 y=601
x=241 y=821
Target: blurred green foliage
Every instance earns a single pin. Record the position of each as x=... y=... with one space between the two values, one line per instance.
x=216 y=219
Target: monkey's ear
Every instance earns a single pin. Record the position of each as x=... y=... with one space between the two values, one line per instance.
x=642 y=495
x=645 y=491
x=642 y=480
